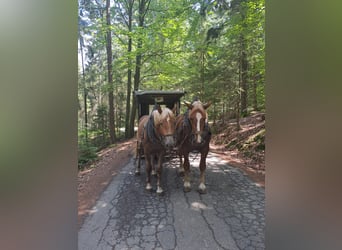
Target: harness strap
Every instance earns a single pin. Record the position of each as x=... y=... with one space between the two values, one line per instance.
x=186 y=123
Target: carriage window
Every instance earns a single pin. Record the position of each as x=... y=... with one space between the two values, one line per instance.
x=150 y=107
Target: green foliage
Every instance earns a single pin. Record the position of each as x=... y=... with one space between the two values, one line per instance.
x=179 y=51
x=86 y=154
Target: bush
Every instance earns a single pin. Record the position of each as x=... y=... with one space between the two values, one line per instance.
x=86 y=153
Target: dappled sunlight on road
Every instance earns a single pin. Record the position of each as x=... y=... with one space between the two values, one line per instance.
x=197 y=206
x=98 y=207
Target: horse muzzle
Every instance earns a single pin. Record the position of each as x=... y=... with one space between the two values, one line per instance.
x=169 y=141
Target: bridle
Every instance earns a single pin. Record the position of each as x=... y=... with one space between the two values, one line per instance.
x=151 y=132
x=187 y=124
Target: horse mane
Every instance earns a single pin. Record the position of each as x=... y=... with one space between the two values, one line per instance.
x=186 y=119
x=150 y=131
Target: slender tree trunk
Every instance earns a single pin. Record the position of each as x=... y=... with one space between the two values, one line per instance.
x=85 y=94
x=244 y=68
x=143 y=8
x=129 y=73
x=238 y=103
x=238 y=127
x=202 y=74
x=136 y=87
x=215 y=113
x=237 y=8
x=110 y=76
x=255 y=97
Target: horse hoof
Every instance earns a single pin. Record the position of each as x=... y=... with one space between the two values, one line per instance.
x=187 y=189
x=137 y=173
x=148 y=187
x=202 y=188
x=160 y=191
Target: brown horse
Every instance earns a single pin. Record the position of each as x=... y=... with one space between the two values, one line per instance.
x=154 y=137
x=193 y=133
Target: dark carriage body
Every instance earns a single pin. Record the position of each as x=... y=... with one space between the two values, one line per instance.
x=147 y=98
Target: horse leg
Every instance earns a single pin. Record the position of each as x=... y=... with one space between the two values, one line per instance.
x=181 y=167
x=148 y=172
x=136 y=152
x=187 y=185
x=138 y=156
x=154 y=165
x=202 y=188
x=159 y=174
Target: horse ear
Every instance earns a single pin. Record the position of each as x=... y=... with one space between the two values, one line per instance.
x=188 y=104
x=206 y=105
x=159 y=109
x=174 y=110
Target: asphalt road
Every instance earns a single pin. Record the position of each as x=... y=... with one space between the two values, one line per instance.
x=230 y=216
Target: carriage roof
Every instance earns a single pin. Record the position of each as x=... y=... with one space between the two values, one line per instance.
x=150 y=97
x=159 y=96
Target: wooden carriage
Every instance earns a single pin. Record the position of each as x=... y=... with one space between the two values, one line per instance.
x=147 y=98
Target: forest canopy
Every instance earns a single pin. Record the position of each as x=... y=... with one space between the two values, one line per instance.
x=213 y=49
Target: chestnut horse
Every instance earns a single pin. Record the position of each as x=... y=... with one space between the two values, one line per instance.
x=193 y=134
x=155 y=136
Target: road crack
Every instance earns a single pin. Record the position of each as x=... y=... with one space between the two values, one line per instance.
x=210 y=227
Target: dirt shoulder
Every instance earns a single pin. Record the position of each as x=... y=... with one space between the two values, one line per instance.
x=234 y=159
x=94 y=179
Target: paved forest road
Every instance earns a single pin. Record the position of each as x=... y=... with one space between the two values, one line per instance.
x=230 y=216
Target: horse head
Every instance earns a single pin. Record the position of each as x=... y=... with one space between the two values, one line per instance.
x=198 y=118
x=164 y=123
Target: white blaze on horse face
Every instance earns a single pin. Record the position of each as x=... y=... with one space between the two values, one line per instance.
x=198 y=118
x=168 y=120
x=198 y=126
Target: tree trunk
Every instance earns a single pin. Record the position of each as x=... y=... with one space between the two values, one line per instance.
x=143 y=8
x=136 y=87
x=129 y=73
x=244 y=68
x=238 y=103
x=255 y=97
x=110 y=76
x=85 y=93
x=202 y=74
x=238 y=127
x=237 y=8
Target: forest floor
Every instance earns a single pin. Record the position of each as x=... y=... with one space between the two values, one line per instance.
x=244 y=149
